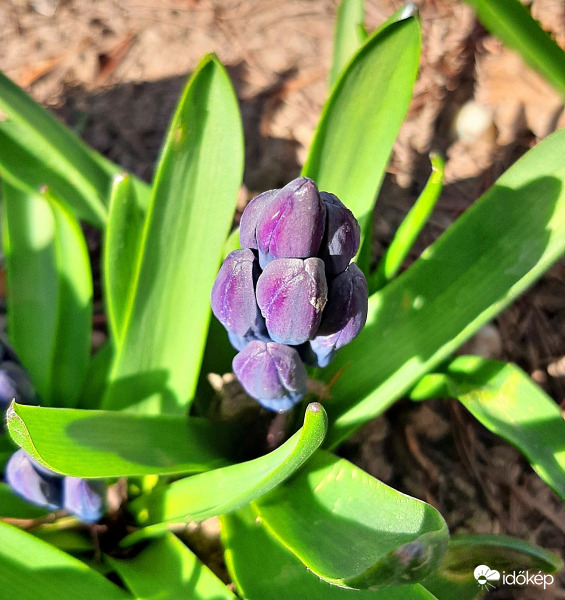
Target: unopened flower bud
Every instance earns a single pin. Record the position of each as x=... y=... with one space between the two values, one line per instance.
x=84 y=498
x=233 y=294
x=291 y=294
x=342 y=235
x=292 y=222
x=271 y=373
x=249 y=218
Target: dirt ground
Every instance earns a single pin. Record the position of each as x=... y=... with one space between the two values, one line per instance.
x=113 y=71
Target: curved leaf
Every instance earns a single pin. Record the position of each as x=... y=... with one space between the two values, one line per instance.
x=89 y=443
x=194 y=196
x=352 y=530
x=349 y=34
x=14 y=507
x=493 y=253
x=281 y=575
x=223 y=490
x=49 y=293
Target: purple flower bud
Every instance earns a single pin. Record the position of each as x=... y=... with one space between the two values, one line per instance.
x=249 y=218
x=271 y=373
x=342 y=235
x=291 y=224
x=291 y=294
x=32 y=481
x=344 y=316
x=257 y=333
x=14 y=384
x=233 y=294
x=84 y=498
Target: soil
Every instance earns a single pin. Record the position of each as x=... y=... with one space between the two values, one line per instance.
x=114 y=70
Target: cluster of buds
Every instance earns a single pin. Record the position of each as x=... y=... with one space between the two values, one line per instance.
x=291 y=295
x=86 y=499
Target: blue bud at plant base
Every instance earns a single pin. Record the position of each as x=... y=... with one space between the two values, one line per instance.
x=291 y=294
x=233 y=293
x=292 y=222
x=84 y=498
x=249 y=218
x=344 y=316
x=14 y=385
x=342 y=235
x=271 y=373
x=32 y=481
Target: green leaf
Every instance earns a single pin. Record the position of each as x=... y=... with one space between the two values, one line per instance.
x=121 y=251
x=506 y=401
x=223 y=490
x=510 y=21
x=281 y=575
x=349 y=27
x=352 y=530
x=97 y=377
x=493 y=253
x=362 y=116
x=67 y=540
x=194 y=196
x=36 y=150
x=90 y=443
x=454 y=579
x=14 y=507
x=167 y=570
x=30 y=568
x=409 y=229
x=49 y=292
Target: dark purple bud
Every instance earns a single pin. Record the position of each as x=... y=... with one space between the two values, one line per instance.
x=249 y=218
x=233 y=294
x=271 y=373
x=342 y=235
x=291 y=294
x=344 y=316
x=32 y=481
x=84 y=498
x=15 y=385
x=292 y=223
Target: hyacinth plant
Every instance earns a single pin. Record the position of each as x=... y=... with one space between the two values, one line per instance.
x=110 y=459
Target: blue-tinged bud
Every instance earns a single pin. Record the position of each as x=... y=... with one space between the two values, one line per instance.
x=32 y=481
x=271 y=373
x=233 y=294
x=84 y=498
x=249 y=218
x=292 y=222
x=344 y=316
x=342 y=235
x=291 y=294
x=14 y=384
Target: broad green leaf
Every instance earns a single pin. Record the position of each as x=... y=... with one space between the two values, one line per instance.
x=348 y=36
x=97 y=377
x=362 y=116
x=493 y=253
x=281 y=576
x=454 y=579
x=121 y=251
x=90 y=443
x=49 y=292
x=36 y=150
x=352 y=530
x=30 y=568
x=67 y=540
x=223 y=490
x=7 y=448
x=409 y=229
x=14 y=507
x=510 y=21
x=189 y=217
x=506 y=401
x=167 y=570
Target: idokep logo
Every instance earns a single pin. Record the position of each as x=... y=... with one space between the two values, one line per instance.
x=487 y=577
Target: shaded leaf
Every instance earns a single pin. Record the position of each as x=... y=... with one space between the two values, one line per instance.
x=14 y=507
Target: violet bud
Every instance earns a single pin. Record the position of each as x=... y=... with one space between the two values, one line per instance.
x=271 y=373
x=32 y=481
x=15 y=385
x=249 y=218
x=344 y=316
x=233 y=293
x=257 y=333
x=342 y=235
x=291 y=294
x=291 y=225
x=84 y=498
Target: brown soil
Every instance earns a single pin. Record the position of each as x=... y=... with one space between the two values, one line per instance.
x=114 y=70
